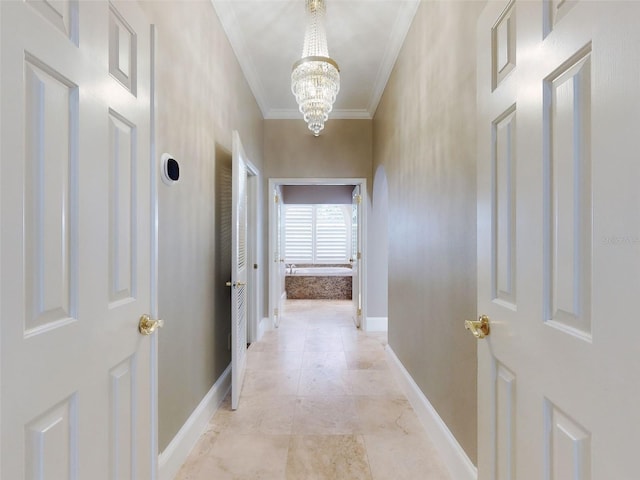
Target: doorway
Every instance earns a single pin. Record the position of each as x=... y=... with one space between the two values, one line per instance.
x=278 y=262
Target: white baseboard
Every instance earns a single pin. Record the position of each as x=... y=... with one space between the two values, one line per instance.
x=172 y=458
x=453 y=455
x=377 y=324
x=264 y=326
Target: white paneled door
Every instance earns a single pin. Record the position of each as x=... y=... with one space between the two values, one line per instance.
x=75 y=241
x=559 y=240
x=238 y=270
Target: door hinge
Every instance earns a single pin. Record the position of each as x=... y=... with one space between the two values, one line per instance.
x=359 y=313
x=358 y=199
x=359 y=256
x=276 y=198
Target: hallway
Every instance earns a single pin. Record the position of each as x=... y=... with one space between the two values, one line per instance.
x=318 y=402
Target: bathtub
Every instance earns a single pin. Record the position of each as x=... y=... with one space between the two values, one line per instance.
x=321 y=272
x=319 y=282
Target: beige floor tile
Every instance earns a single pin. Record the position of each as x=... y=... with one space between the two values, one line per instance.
x=318 y=402
x=387 y=415
x=327 y=457
x=404 y=457
x=271 y=382
x=192 y=468
x=366 y=360
x=264 y=414
x=323 y=330
x=323 y=382
x=246 y=457
x=326 y=416
x=357 y=340
x=323 y=344
x=329 y=360
x=373 y=383
x=293 y=342
x=274 y=360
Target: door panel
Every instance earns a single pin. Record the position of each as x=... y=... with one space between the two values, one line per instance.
x=567 y=181
x=556 y=181
x=504 y=246
x=51 y=206
x=75 y=242
x=122 y=202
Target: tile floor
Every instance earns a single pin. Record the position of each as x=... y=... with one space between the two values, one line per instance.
x=318 y=402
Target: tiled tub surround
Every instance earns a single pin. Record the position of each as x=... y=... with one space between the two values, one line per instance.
x=318 y=402
x=319 y=282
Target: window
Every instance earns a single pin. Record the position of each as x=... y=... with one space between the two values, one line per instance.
x=317 y=234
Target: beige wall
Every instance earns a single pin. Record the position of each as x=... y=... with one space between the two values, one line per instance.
x=201 y=97
x=343 y=149
x=424 y=138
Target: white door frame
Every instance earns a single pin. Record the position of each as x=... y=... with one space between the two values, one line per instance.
x=254 y=250
x=155 y=164
x=275 y=182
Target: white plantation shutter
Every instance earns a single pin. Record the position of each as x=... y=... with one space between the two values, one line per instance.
x=331 y=235
x=298 y=235
x=316 y=234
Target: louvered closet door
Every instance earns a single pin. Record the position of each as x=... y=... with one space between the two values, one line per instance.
x=75 y=241
x=238 y=271
x=559 y=240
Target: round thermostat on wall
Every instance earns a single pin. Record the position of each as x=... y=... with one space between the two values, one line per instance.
x=170 y=169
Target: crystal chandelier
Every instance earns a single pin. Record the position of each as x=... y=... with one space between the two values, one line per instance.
x=315 y=79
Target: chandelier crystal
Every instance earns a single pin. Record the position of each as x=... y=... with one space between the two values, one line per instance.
x=315 y=79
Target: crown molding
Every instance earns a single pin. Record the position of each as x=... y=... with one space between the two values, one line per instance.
x=398 y=35
x=229 y=22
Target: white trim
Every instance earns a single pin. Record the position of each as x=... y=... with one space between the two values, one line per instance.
x=254 y=222
x=454 y=457
x=264 y=326
x=153 y=371
x=377 y=324
x=276 y=182
x=178 y=450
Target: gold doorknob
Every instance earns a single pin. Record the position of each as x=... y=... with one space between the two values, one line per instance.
x=235 y=284
x=148 y=326
x=240 y=284
x=479 y=328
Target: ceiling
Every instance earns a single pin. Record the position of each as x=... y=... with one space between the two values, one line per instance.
x=364 y=38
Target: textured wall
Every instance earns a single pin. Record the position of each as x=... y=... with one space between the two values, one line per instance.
x=343 y=149
x=378 y=246
x=424 y=137
x=201 y=96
